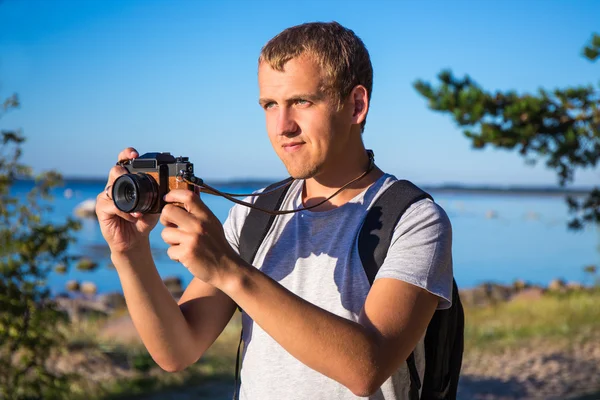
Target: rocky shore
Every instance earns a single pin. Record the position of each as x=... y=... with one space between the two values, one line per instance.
x=82 y=297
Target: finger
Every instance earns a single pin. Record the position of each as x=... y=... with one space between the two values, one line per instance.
x=125 y=216
x=175 y=216
x=172 y=236
x=114 y=173
x=174 y=252
x=106 y=207
x=128 y=154
x=189 y=199
x=164 y=219
x=149 y=219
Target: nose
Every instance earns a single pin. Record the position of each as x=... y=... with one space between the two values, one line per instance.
x=286 y=123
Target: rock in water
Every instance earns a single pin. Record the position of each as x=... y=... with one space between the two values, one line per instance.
x=574 y=286
x=114 y=301
x=85 y=264
x=89 y=288
x=557 y=285
x=60 y=269
x=72 y=286
x=86 y=209
x=491 y=214
x=520 y=284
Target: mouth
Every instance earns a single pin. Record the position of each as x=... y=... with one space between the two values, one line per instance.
x=292 y=147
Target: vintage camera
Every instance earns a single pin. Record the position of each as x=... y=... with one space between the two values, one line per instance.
x=150 y=177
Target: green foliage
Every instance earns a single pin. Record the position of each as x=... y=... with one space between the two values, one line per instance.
x=573 y=314
x=592 y=51
x=29 y=248
x=560 y=126
x=142 y=361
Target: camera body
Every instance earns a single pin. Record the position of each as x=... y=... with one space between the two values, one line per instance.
x=151 y=176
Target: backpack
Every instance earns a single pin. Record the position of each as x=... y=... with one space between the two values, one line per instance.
x=444 y=339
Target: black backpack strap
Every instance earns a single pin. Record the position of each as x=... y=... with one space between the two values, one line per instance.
x=415 y=381
x=441 y=377
x=376 y=233
x=375 y=238
x=258 y=223
x=255 y=229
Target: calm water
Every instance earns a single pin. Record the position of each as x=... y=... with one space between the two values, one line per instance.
x=527 y=239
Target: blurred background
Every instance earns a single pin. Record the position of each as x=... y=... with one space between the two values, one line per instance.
x=457 y=108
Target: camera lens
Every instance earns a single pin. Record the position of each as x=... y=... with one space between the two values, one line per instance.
x=135 y=193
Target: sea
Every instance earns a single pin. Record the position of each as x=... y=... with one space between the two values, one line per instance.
x=497 y=237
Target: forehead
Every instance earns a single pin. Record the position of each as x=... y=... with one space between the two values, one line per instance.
x=300 y=74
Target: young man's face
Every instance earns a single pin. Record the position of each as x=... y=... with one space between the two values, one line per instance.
x=306 y=130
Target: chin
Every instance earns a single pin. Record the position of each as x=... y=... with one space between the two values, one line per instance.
x=298 y=169
x=302 y=173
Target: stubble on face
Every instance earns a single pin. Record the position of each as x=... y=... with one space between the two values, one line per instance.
x=302 y=172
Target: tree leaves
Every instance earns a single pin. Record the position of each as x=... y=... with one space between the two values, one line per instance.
x=29 y=248
x=592 y=51
x=561 y=127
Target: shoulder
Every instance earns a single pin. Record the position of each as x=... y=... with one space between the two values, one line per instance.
x=421 y=212
x=426 y=213
x=420 y=252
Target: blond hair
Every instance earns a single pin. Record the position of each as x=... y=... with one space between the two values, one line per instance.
x=341 y=54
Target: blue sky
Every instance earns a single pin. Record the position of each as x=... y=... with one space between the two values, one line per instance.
x=180 y=76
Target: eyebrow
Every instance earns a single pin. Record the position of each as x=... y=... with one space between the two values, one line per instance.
x=313 y=97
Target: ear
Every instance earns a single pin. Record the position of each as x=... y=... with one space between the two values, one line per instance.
x=360 y=104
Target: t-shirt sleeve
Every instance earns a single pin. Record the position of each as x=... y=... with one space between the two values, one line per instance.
x=420 y=252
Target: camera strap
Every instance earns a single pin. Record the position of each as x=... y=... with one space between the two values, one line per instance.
x=193 y=180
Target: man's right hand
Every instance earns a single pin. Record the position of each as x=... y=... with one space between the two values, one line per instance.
x=123 y=231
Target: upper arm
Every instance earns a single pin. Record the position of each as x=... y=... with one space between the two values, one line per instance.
x=397 y=314
x=420 y=251
x=207 y=311
x=414 y=279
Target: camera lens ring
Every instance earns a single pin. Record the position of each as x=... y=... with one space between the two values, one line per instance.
x=135 y=193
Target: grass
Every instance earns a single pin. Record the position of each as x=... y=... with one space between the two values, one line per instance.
x=143 y=386
x=567 y=316
x=145 y=377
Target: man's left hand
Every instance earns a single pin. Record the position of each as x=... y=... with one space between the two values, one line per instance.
x=195 y=236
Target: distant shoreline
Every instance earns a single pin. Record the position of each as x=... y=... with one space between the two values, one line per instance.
x=523 y=190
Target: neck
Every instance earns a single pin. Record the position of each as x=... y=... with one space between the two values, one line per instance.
x=325 y=184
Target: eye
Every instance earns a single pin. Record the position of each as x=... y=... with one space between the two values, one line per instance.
x=269 y=105
x=302 y=102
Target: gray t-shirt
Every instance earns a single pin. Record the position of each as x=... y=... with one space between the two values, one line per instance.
x=315 y=255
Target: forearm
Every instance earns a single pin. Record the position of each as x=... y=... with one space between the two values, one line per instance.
x=155 y=313
x=339 y=348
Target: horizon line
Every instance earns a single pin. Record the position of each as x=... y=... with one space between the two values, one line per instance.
x=441 y=186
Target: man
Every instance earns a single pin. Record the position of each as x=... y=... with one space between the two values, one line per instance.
x=313 y=326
